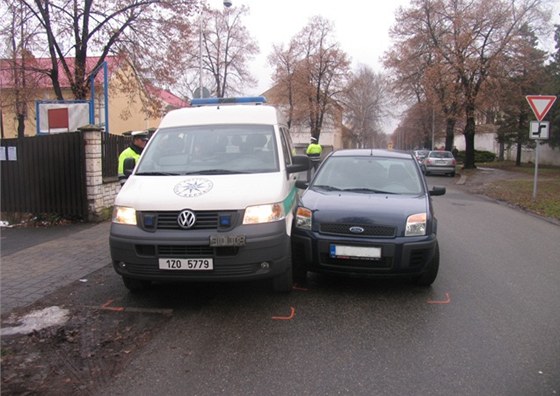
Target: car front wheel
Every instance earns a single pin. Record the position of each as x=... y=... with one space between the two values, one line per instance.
x=429 y=276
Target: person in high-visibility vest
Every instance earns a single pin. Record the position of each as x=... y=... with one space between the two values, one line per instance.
x=314 y=151
x=139 y=139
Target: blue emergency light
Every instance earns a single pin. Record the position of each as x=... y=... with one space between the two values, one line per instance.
x=257 y=100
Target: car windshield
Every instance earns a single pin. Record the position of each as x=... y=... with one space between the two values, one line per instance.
x=210 y=149
x=373 y=175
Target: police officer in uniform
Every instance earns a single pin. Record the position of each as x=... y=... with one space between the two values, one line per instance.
x=314 y=151
x=139 y=139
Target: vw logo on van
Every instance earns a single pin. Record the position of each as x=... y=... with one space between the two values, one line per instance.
x=356 y=230
x=186 y=219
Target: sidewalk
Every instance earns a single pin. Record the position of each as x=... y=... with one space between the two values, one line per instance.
x=34 y=263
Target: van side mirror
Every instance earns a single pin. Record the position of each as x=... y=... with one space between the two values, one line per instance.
x=300 y=163
x=128 y=166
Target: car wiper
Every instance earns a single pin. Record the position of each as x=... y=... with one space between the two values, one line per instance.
x=328 y=188
x=368 y=190
x=158 y=174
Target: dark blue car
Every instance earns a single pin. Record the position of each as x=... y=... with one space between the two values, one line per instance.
x=367 y=213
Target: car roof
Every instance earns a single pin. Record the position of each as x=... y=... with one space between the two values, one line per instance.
x=371 y=153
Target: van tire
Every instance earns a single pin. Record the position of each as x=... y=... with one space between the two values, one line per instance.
x=299 y=267
x=283 y=283
x=136 y=285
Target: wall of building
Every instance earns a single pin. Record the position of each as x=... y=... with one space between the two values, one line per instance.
x=487 y=142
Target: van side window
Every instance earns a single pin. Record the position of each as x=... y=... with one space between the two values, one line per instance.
x=286 y=146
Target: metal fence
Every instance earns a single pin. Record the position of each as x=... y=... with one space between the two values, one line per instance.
x=44 y=174
x=111 y=147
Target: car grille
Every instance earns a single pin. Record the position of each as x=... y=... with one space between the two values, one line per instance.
x=356 y=265
x=205 y=220
x=369 y=230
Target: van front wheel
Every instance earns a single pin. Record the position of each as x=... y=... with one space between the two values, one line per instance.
x=136 y=285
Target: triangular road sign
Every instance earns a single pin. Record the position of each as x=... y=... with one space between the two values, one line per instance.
x=540 y=104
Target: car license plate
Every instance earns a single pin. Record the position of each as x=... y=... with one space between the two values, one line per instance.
x=356 y=252
x=186 y=264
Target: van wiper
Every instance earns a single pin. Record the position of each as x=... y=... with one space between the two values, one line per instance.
x=368 y=190
x=158 y=173
x=215 y=172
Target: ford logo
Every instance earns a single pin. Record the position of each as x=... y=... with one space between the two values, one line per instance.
x=356 y=230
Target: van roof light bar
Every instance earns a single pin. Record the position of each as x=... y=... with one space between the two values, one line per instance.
x=257 y=100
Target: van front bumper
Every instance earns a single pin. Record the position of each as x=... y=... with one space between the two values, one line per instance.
x=265 y=254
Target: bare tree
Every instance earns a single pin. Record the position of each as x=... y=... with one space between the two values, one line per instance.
x=228 y=47
x=365 y=102
x=19 y=34
x=148 y=31
x=285 y=61
x=465 y=43
x=317 y=75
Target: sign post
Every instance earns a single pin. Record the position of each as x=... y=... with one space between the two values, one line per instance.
x=540 y=104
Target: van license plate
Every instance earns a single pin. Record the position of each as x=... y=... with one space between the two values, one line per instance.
x=227 y=240
x=186 y=264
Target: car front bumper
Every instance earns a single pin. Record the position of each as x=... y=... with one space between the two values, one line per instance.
x=403 y=256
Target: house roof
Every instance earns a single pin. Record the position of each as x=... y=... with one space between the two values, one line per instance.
x=37 y=77
x=167 y=97
x=37 y=69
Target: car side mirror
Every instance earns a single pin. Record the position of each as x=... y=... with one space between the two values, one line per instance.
x=128 y=166
x=303 y=184
x=437 y=191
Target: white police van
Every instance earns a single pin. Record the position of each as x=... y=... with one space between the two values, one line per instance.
x=212 y=198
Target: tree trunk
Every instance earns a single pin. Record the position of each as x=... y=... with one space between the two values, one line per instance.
x=450 y=134
x=20 y=126
x=469 y=138
x=518 y=154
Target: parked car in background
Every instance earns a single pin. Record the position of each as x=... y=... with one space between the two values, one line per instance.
x=440 y=162
x=420 y=155
x=367 y=213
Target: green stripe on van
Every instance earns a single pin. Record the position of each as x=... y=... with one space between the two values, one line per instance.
x=289 y=201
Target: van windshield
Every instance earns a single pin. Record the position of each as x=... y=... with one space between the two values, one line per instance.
x=210 y=149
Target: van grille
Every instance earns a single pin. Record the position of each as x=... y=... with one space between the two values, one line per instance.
x=205 y=220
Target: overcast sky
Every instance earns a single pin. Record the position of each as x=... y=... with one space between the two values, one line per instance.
x=360 y=26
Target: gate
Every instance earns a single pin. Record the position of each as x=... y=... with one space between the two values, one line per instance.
x=44 y=174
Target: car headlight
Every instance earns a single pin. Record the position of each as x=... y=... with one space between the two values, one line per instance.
x=264 y=213
x=304 y=218
x=416 y=225
x=124 y=215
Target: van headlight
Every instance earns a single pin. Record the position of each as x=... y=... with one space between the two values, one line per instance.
x=264 y=213
x=124 y=215
x=416 y=225
x=304 y=218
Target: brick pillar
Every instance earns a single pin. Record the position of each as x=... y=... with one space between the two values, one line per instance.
x=94 y=172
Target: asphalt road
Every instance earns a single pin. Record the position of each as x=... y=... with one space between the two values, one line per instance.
x=489 y=325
